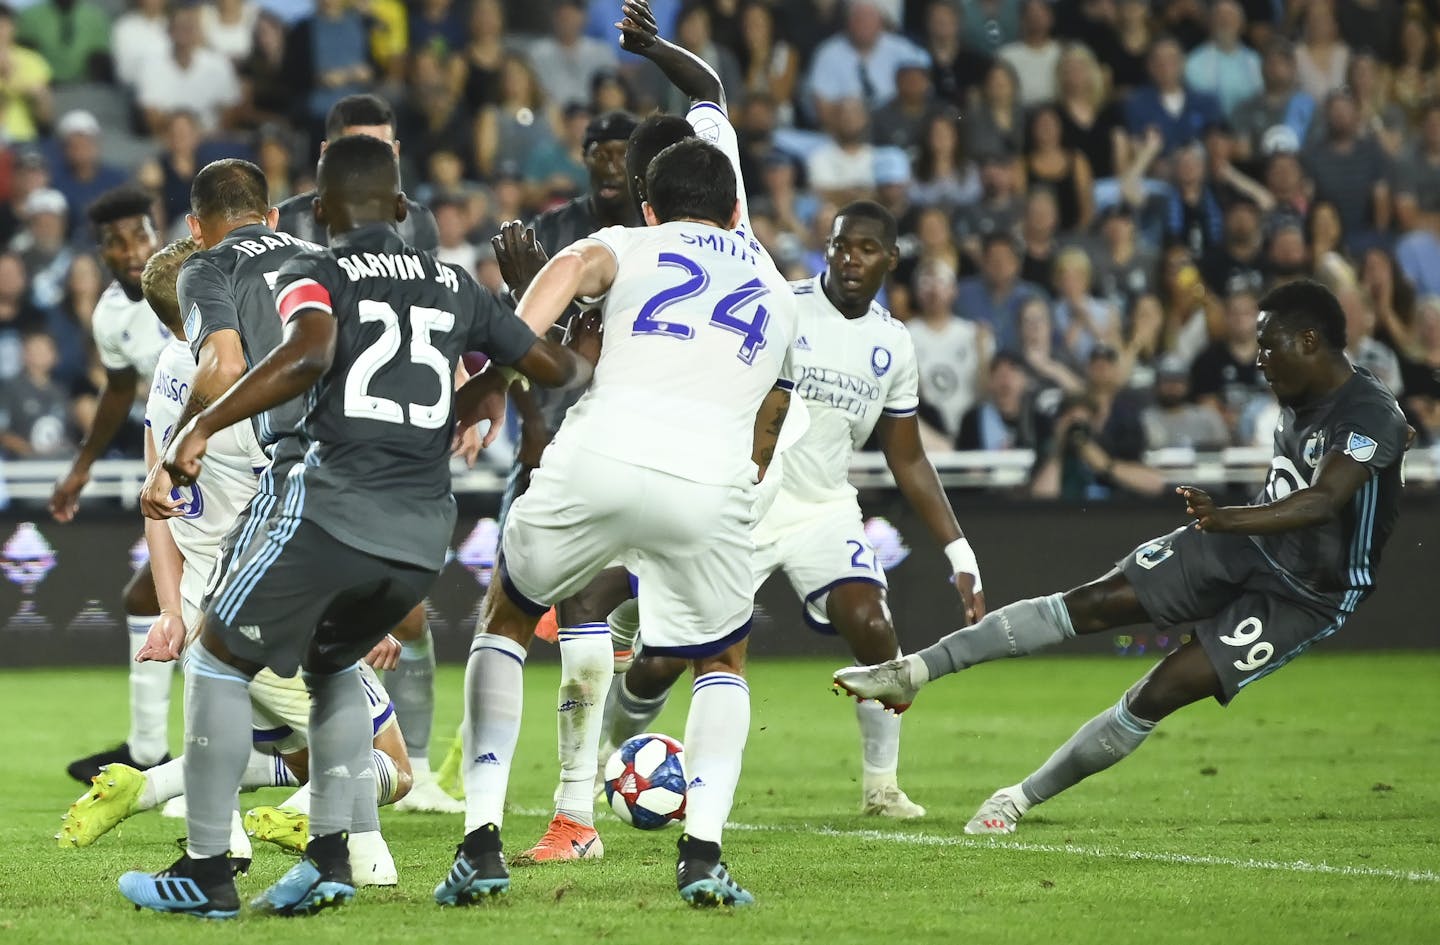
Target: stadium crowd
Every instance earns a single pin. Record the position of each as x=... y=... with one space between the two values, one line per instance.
x=1092 y=194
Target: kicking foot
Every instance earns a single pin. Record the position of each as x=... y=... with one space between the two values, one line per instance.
x=887 y=800
x=287 y=829
x=478 y=872
x=112 y=798
x=889 y=684
x=428 y=797
x=703 y=880
x=203 y=888
x=312 y=884
x=564 y=839
x=85 y=769
x=999 y=814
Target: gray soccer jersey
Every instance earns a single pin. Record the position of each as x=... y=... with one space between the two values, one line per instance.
x=297 y=216
x=376 y=475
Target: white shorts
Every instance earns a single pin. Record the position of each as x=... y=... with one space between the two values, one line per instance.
x=281 y=710
x=687 y=543
x=824 y=546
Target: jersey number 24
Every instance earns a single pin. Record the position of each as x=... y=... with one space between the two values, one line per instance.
x=725 y=315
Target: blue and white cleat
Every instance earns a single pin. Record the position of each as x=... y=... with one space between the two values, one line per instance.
x=305 y=890
x=479 y=870
x=703 y=880
x=204 y=888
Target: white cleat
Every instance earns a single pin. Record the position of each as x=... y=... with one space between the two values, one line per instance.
x=370 y=861
x=428 y=797
x=999 y=814
x=175 y=807
x=889 y=801
x=888 y=683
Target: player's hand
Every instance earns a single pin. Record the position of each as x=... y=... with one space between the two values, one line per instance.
x=586 y=334
x=1208 y=516
x=386 y=655
x=467 y=444
x=65 y=500
x=483 y=397
x=157 y=498
x=519 y=255
x=165 y=640
x=973 y=600
x=182 y=458
x=638 y=29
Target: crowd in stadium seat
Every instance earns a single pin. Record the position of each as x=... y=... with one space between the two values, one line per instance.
x=1093 y=194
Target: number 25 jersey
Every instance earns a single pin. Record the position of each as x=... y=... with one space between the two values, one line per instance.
x=380 y=422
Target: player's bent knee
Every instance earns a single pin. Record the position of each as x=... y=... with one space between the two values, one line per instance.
x=1104 y=605
x=652 y=676
x=502 y=614
x=729 y=660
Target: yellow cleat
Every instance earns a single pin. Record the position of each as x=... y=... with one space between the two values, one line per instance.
x=287 y=829
x=112 y=798
x=449 y=777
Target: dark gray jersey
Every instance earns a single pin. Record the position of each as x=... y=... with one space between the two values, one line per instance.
x=297 y=216
x=377 y=475
x=1363 y=421
x=230 y=286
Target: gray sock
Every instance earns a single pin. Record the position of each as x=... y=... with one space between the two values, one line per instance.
x=1100 y=742
x=339 y=750
x=1017 y=629
x=217 y=749
x=628 y=715
x=365 y=815
x=412 y=691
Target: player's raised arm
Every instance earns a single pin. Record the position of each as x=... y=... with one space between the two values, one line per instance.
x=583 y=270
x=640 y=34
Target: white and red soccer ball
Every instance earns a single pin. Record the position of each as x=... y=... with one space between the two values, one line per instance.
x=645 y=782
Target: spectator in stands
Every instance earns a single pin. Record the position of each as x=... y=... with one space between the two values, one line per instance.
x=694 y=33
x=34 y=407
x=520 y=123
x=432 y=119
x=1192 y=316
x=25 y=99
x=567 y=60
x=1173 y=421
x=1280 y=107
x=1090 y=124
x=268 y=97
x=177 y=165
x=138 y=38
x=1418 y=253
x=1225 y=376
x=72 y=35
x=997 y=122
x=892 y=185
x=1035 y=56
x=944 y=176
x=1350 y=172
x=18 y=316
x=858 y=63
x=843 y=169
x=452 y=221
x=1051 y=367
x=900 y=122
x=1392 y=298
x=435 y=25
x=1183 y=19
x=1124 y=268
x=769 y=63
x=1422 y=371
x=1360 y=344
x=933 y=239
x=1379 y=117
x=1287 y=257
x=1416 y=175
x=1039 y=233
x=327 y=57
x=1181 y=114
x=1128 y=59
x=1289 y=191
x=479 y=63
x=805 y=23
x=79 y=171
x=272 y=154
x=42 y=246
x=1238 y=261
x=556 y=171
x=1000 y=208
x=994 y=297
x=1224 y=66
x=1085 y=322
x=1413 y=79
x=990 y=24
x=957 y=69
x=229 y=27
x=1006 y=419
x=950 y=352
x=69 y=323
x=1062 y=170
x=191 y=77
x=1322 y=58
x=1194 y=216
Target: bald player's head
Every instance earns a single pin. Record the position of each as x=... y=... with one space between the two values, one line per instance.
x=357 y=183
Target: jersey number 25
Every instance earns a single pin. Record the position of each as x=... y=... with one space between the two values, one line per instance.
x=725 y=316
x=362 y=404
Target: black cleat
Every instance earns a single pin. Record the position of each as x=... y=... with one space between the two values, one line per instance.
x=703 y=879
x=203 y=888
x=85 y=769
x=479 y=870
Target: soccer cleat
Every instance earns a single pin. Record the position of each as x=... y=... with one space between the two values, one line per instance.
x=564 y=839
x=478 y=872
x=370 y=861
x=703 y=880
x=887 y=683
x=174 y=808
x=306 y=889
x=889 y=801
x=112 y=798
x=203 y=888
x=427 y=796
x=287 y=829
x=997 y=815
x=85 y=769
x=449 y=778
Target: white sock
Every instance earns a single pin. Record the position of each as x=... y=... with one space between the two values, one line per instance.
x=149 y=699
x=587 y=664
x=919 y=670
x=420 y=771
x=300 y=800
x=387 y=776
x=879 y=743
x=266 y=770
x=494 y=688
x=162 y=783
x=239 y=841
x=715 y=736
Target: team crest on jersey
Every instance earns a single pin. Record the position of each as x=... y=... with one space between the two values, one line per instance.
x=1361 y=448
x=192 y=321
x=880 y=360
x=1314 y=449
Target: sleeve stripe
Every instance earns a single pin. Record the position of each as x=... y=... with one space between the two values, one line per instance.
x=901 y=412
x=699 y=105
x=303 y=293
x=784 y=383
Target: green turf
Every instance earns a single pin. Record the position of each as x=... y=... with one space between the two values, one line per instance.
x=1201 y=837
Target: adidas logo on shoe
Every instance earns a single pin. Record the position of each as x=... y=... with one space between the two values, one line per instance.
x=488 y=758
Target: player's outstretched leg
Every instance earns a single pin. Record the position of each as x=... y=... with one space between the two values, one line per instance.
x=634 y=702
x=1183 y=677
x=412 y=691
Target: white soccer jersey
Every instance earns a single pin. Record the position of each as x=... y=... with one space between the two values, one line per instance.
x=227 y=478
x=127 y=334
x=949 y=362
x=698 y=328
x=848 y=371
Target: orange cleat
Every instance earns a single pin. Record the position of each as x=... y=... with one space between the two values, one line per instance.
x=564 y=839
x=548 y=629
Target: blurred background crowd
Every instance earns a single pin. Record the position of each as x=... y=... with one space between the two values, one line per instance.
x=1092 y=194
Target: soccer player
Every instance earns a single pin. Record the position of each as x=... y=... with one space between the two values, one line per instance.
x=855 y=368
x=651 y=467
x=129 y=339
x=1262 y=583
x=373 y=332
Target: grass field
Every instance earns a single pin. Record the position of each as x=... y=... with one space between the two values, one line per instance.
x=1308 y=812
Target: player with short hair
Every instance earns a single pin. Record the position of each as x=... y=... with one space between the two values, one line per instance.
x=651 y=468
x=373 y=332
x=129 y=340
x=1262 y=583
x=855 y=368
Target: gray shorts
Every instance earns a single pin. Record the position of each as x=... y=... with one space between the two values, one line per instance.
x=1249 y=617
x=296 y=596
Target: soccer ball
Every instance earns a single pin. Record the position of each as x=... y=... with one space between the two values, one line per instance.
x=645 y=782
